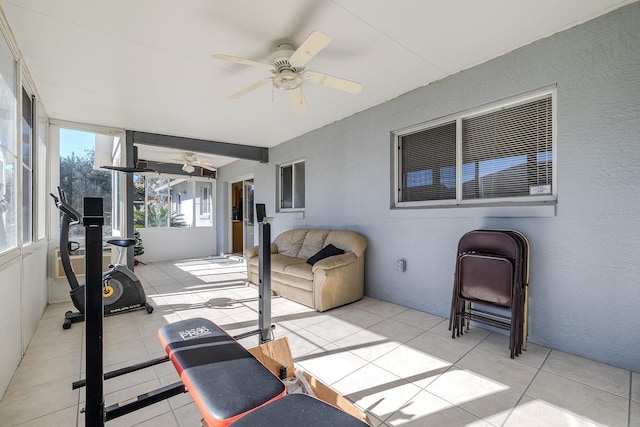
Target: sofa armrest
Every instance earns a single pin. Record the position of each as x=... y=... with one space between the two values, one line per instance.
x=334 y=261
x=338 y=280
x=250 y=252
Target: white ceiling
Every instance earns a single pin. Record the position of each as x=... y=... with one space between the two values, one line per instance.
x=146 y=64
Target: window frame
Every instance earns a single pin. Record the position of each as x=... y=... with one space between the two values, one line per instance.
x=280 y=200
x=41 y=142
x=13 y=203
x=459 y=201
x=28 y=227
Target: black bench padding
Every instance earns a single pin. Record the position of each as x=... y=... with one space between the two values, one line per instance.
x=298 y=410
x=224 y=379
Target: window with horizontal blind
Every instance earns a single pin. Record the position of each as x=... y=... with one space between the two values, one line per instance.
x=503 y=153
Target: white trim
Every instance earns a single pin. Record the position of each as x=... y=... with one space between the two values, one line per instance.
x=7 y=33
x=9 y=256
x=510 y=102
x=103 y=130
x=459 y=160
x=500 y=201
x=554 y=142
x=508 y=211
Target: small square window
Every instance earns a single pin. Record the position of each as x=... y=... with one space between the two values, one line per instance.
x=292 y=186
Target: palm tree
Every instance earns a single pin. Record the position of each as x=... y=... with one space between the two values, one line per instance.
x=157 y=215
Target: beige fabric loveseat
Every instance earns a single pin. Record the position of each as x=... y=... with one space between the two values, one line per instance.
x=330 y=282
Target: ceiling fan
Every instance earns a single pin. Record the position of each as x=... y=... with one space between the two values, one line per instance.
x=190 y=159
x=288 y=68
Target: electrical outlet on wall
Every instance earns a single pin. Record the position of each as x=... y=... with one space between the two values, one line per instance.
x=401 y=265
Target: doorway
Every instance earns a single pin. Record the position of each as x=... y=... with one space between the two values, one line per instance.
x=242 y=215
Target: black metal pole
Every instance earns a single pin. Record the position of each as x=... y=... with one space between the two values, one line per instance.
x=93 y=221
x=264 y=282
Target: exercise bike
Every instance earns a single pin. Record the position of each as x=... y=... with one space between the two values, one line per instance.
x=121 y=289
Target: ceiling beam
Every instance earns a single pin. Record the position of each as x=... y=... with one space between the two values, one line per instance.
x=238 y=151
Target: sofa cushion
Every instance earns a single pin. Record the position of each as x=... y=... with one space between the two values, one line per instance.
x=302 y=270
x=290 y=242
x=325 y=252
x=280 y=262
x=313 y=242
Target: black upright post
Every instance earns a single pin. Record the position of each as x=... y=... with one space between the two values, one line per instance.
x=93 y=221
x=264 y=281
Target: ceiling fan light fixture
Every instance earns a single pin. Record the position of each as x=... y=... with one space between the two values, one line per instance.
x=188 y=168
x=287 y=80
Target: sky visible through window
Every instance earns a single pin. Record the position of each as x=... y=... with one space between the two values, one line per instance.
x=486 y=167
x=76 y=141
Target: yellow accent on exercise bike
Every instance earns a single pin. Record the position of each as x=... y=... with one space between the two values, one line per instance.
x=107 y=291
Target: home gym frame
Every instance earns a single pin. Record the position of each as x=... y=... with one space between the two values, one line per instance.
x=96 y=414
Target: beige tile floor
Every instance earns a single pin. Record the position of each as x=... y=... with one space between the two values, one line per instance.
x=399 y=365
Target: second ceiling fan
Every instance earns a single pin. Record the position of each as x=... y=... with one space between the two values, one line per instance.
x=288 y=68
x=190 y=159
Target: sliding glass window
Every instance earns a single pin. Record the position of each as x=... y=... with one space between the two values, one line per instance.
x=8 y=150
x=27 y=168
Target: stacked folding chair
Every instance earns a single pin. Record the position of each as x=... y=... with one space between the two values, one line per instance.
x=491 y=284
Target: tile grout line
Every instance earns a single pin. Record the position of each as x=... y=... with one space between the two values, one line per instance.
x=451 y=367
x=524 y=392
x=630 y=395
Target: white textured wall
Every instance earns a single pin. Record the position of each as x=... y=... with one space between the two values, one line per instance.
x=585 y=263
x=10 y=332
x=23 y=299
x=161 y=244
x=33 y=289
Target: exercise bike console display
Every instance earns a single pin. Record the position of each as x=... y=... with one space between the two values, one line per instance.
x=121 y=289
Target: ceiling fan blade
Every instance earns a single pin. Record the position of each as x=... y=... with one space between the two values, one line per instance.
x=297 y=99
x=334 y=82
x=309 y=48
x=248 y=89
x=242 y=61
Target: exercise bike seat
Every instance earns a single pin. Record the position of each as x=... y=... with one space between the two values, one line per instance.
x=123 y=242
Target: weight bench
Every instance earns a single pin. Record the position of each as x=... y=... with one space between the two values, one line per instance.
x=295 y=410
x=223 y=378
x=226 y=382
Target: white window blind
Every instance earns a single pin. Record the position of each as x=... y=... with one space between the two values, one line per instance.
x=428 y=160
x=508 y=152
x=504 y=152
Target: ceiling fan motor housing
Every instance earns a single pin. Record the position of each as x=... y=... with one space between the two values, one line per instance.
x=287 y=76
x=287 y=65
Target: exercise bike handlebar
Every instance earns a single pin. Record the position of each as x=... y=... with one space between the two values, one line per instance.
x=61 y=203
